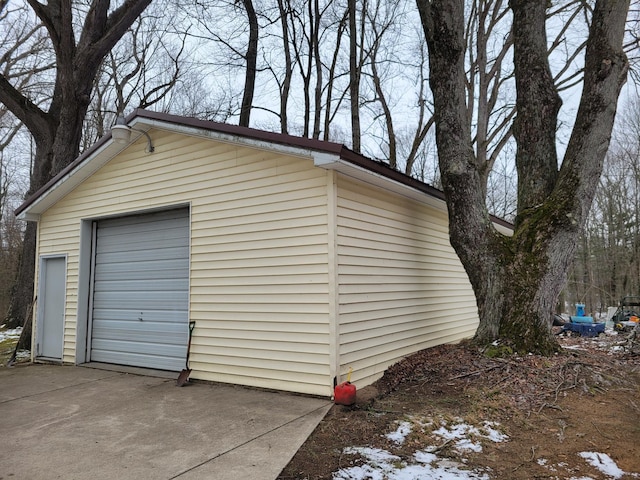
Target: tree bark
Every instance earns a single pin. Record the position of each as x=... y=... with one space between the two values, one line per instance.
x=288 y=68
x=537 y=105
x=22 y=294
x=318 y=65
x=354 y=77
x=517 y=280
x=252 y=61
x=331 y=79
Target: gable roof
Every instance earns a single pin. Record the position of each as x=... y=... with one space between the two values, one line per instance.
x=328 y=155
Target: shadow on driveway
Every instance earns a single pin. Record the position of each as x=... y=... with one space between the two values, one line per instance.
x=62 y=422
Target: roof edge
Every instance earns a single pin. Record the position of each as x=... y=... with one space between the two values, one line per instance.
x=332 y=148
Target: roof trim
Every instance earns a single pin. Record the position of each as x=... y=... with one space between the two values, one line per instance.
x=325 y=154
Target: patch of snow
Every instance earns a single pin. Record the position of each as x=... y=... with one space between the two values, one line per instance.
x=358 y=473
x=425 y=457
x=12 y=333
x=543 y=462
x=603 y=462
x=373 y=455
x=425 y=464
x=461 y=431
x=382 y=465
x=493 y=434
x=456 y=432
x=400 y=435
x=466 y=444
x=23 y=354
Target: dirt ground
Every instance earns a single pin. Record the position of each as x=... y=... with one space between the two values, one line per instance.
x=586 y=399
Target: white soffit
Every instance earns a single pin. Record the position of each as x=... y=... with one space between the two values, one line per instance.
x=334 y=162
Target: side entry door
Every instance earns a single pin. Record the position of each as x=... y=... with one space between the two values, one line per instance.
x=51 y=300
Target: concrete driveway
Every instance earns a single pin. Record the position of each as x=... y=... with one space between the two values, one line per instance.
x=62 y=422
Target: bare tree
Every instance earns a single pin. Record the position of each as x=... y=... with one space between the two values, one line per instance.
x=331 y=108
x=141 y=71
x=517 y=280
x=607 y=261
x=57 y=130
x=252 y=61
x=355 y=65
x=284 y=85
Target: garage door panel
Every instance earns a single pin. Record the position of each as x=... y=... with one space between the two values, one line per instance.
x=176 y=285
x=145 y=350
x=166 y=316
x=132 y=301
x=145 y=332
x=142 y=255
x=120 y=228
x=173 y=268
x=143 y=231
x=141 y=291
x=141 y=360
x=157 y=273
x=118 y=244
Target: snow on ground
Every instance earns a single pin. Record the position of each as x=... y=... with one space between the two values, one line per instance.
x=600 y=461
x=23 y=355
x=10 y=334
x=424 y=464
x=382 y=465
x=460 y=432
x=605 y=464
x=400 y=435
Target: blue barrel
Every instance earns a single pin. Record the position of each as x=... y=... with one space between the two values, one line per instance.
x=579 y=309
x=582 y=319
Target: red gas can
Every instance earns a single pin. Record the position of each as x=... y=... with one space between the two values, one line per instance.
x=344 y=394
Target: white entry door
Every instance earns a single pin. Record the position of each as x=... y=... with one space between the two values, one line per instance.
x=50 y=323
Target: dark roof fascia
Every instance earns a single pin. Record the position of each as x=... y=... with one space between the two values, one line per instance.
x=247 y=132
x=385 y=170
x=338 y=149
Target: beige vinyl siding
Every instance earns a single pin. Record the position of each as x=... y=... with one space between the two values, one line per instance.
x=259 y=253
x=402 y=287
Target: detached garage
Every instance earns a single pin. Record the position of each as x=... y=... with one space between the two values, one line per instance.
x=297 y=259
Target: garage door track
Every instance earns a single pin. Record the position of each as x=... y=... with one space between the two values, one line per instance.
x=83 y=423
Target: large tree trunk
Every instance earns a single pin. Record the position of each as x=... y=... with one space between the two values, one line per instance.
x=517 y=280
x=22 y=294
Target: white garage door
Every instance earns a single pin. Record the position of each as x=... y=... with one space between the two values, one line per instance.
x=141 y=291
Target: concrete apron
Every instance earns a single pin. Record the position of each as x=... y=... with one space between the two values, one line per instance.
x=79 y=423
